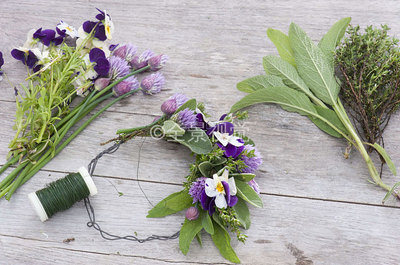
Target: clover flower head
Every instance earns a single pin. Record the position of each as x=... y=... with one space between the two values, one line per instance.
x=118 y=67
x=197 y=188
x=157 y=62
x=126 y=52
x=141 y=61
x=152 y=84
x=125 y=86
x=251 y=161
x=186 y=119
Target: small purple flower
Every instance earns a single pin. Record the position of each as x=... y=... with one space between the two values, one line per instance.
x=252 y=162
x=98 y=56
x=152 y=84
x=88 y=26
x=125 y=86
x=118 y=67
x=222 y=127
x=112 y=47
x=141 y=61
x=26 y=57
x=192 y=213
x=252 y=183
x=157 y=62
x=186 y=119
x=197 y=188
x=173 y=103
x=101 y=83
x=126 y=52
x=101 y=16
x=1 y=60
x=99 y=30
x=45 y=36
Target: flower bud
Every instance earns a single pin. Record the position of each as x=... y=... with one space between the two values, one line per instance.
x=157 y=62
x=126 y=86
x=192 y=213
x=101 y=83
x=169 y=106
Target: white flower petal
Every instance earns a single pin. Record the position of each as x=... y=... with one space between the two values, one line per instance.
x=224 y=175
x=210 y=188
x=234 y=141
x=232 y=186
x=220 y=201
x=222 y=138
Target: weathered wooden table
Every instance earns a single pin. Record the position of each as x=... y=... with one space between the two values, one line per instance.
x=319 y=207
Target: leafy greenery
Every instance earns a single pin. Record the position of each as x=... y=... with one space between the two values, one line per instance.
x=174 y=203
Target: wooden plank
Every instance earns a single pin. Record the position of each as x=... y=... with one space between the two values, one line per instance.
x=286 y=231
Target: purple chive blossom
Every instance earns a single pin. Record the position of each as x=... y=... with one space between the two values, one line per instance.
x=152 y=84
x=252 y=183
x=197 y=189
x=173 y=103
x=186 y=119
x=125 y=86
x=126 y=52
x=157 y=62
x=192 y=213
x=252 y=162
x=101 y=83
x=118 y=67
x=141 y=61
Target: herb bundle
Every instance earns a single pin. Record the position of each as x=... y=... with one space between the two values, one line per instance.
x=369 y=65
x=63 y=64
x=303 y=80
x=221 y=181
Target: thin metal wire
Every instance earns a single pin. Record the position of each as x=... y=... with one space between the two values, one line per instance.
x=90 y=210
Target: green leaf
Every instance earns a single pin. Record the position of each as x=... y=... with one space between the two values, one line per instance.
x=171 y=128
x=205 y=168
x=206 y=222
x=188 y=231
x=276 y=66
x=198 y=237
x=219 y=161
x=246 y=177
x=197 y=141
x=333 y=37
x=331 y=116
x=248 y=194
x=281 y=41
x=173 y=203
x=385 y=156
x=190 y=104
x=288 y=98
x=222 y=241
x=390 y=192
x=259 y=82
x=313 y=66
x=243 y=213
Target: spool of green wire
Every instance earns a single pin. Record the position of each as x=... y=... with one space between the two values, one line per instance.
x=61 y=194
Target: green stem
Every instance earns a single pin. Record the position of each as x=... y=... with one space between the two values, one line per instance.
x=47 y=158
x=10 y=162
x=130 y=130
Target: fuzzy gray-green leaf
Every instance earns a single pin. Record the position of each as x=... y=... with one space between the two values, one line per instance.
x=259 y=82
x=313 y=66
x=281 y=42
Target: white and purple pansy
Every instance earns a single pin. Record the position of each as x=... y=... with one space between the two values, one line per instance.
x=1 y=64
x=26 y=56
x=102 y=66
x=219 y=191
x=63 y=29
x=232 y=145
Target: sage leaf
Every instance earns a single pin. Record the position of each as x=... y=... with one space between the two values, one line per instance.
x=188 y=231
x=313 y=66
x=198 y=237
x=331 y=116
x=174 y=203
x=197 y=141
x=333 y=37
x=190 y=104
x=281 y=42
x=259 y=82
x=205 y=168
x=385 y=156
x=246 y=177
x=248 y=194
x=206 y=222
x=222 y=241
x=243 y=213
x=171 y=128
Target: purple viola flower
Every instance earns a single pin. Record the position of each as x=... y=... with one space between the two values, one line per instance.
x=207 y=203
x=100 y=32
x=88 y=26
x=173 y=103
x=197 y=188
x=222 y=127
x=157 y=62
x=45 y=36
x=252 y=183
x=96 y=54
x=141 y=61
x=112 y=47
x=26 y=57
x=192 y=213
x=252 y=161
x=126 y=52
x=232 y=145
x=102 y=66
x=125 y=86
x=101 y=16
x=1 y=60
x=118 y=67
x=152 y=84
x=186 y=119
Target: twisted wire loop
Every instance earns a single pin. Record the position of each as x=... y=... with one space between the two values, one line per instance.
x=90 y=210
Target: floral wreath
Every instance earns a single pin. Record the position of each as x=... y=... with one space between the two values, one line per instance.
x=221 y=181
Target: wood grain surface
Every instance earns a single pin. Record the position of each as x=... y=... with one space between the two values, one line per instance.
x=319 y=207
